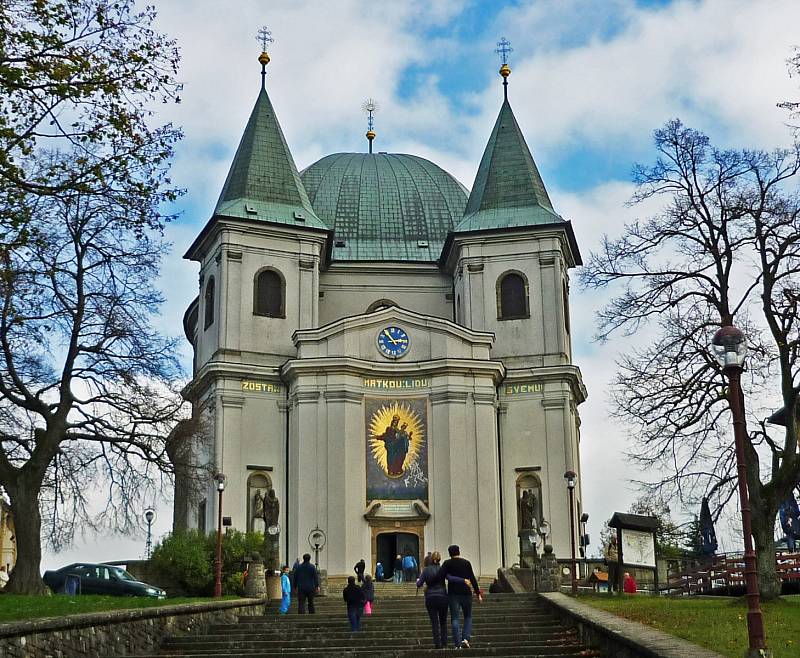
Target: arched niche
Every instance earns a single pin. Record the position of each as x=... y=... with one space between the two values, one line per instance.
x=528 y=484
x=258 y=485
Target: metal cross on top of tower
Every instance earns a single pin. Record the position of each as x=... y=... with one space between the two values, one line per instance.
x=370 y=107
x=264 y=37
x=503 y=49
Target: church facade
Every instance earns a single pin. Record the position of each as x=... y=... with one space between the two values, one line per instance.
x=386 y=350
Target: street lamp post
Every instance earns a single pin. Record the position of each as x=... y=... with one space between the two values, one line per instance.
x=571 y=477
x=149 y=515
x=730 y=346
x=316 y=539
x=220 y=479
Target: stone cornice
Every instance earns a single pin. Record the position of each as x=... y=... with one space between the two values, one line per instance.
x=429 y=322
x=213 y=370
x=442 y=397
x=294 y=368
x=304 y=395
x=343 y=395
x=547 y=374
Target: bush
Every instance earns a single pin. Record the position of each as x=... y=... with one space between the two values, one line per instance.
x=188 y=556
x=185 y=556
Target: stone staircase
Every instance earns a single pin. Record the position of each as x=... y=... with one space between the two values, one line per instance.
x=510 y=625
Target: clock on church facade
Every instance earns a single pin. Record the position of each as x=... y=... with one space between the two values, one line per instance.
x=393 y=342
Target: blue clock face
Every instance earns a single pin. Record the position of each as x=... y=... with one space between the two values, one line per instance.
x=393 y=342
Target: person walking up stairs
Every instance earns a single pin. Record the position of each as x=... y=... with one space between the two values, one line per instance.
x=504 y=626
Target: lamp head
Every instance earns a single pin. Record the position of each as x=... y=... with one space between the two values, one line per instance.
x=149 y=515
x=584 y=517
x=729 y=346
x=220 y=479
x=571 y=477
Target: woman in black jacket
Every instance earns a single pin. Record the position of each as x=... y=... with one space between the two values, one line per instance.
x=436 y=599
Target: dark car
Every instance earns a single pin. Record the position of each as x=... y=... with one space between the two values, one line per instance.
x=84 y=578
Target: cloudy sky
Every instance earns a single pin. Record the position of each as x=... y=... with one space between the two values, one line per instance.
x=591 y=80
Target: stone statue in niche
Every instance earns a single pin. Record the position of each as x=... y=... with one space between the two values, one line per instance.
x=257 y=511
x=527 y=507
x=272 y=509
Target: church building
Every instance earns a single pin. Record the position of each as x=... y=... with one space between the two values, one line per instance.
x=388 y=351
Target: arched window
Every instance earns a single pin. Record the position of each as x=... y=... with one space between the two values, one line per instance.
x=269 y=294
x=379 y=304
x=208 y=319
x=512 y=297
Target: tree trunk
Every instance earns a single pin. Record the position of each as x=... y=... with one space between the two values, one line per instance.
x=769 y=585
x=26 y=576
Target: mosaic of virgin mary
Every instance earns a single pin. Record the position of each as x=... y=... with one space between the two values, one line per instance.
x=396 y=447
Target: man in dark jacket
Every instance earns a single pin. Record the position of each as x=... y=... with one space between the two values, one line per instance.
x=459 y=595
x=354 y=597
x=359 y=569
x=306 y=581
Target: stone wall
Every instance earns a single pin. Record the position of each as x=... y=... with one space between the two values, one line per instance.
x=117 y=633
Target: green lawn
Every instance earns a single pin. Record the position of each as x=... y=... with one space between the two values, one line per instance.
x=16 y=607
x=716 y=623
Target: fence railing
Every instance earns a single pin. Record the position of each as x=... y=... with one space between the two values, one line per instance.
x=723 y=572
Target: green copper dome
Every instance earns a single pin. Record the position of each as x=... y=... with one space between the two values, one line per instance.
x=384 y=206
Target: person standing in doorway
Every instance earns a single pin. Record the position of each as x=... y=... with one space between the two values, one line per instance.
x=359 y=569
x=459 y=595
x=398 y=569
x=353 y=596
x=286 y=590
x=409 y=568
x=306 y=581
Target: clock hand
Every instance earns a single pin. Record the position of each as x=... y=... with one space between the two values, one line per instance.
x=389 y=336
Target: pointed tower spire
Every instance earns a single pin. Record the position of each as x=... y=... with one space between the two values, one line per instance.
x=263 y=182
x=508 y=190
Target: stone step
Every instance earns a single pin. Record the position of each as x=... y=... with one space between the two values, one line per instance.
x=343 y=633
x=504 y=625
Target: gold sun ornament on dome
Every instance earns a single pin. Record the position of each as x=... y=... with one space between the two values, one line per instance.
x=392 y=427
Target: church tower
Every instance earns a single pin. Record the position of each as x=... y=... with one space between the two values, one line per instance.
x=510 y=258
x=259 y=259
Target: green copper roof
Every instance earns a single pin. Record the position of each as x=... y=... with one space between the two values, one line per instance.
x=508 y=189
x=263 y=182
x=384 y=206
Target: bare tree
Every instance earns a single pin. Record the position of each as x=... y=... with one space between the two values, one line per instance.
x=725 y=249
x=85 y=399
x=84 y=378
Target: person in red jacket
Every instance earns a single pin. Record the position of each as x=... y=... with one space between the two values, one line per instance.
x=629 y=584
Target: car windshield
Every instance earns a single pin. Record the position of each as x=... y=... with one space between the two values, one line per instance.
x=121 y=574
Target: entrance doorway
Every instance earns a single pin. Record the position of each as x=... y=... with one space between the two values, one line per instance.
x=391 y=544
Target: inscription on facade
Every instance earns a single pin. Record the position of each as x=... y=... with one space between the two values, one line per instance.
x=395 y=384
x=260 y=387
x=516 y=389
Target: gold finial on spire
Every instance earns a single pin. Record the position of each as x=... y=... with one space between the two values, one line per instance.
x=264 y=37
x=370 y=107
x=503 y=49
